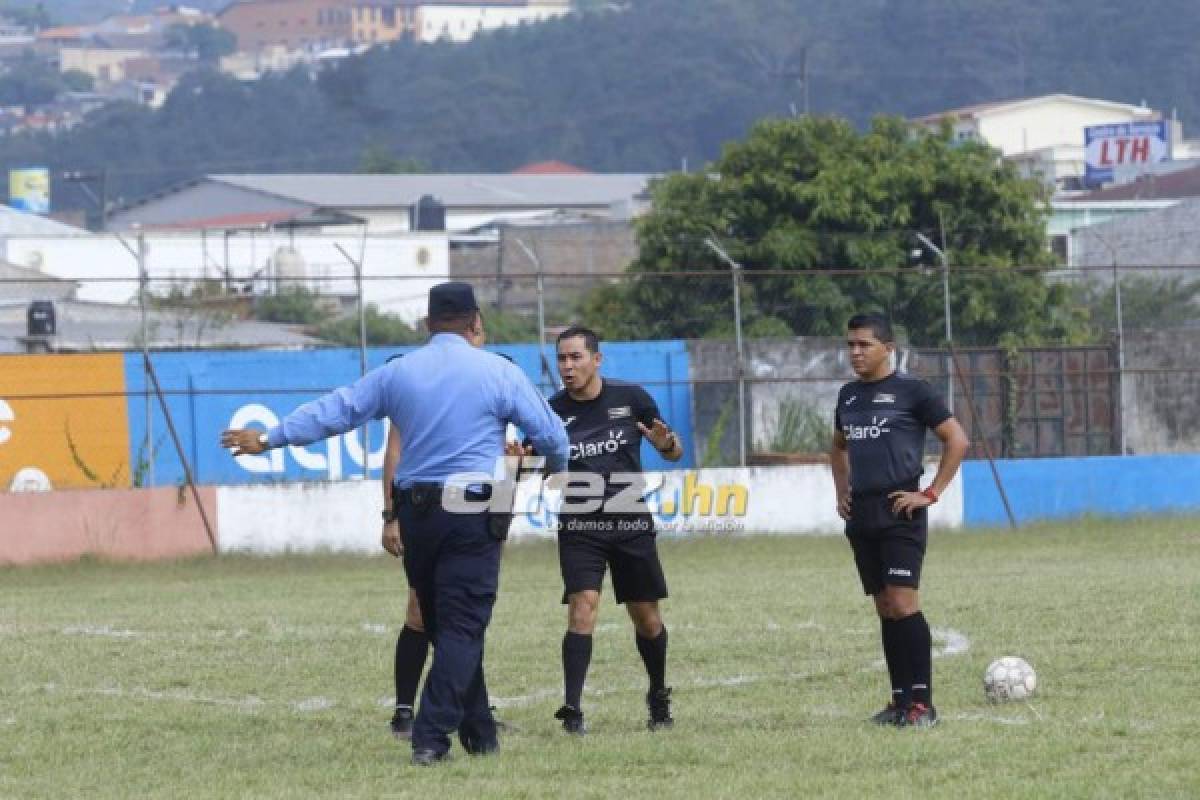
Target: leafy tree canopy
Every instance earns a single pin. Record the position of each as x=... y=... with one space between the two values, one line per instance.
x=798 y=195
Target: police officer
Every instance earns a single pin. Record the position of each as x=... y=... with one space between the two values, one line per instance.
x=450 y=403
x=878 y=444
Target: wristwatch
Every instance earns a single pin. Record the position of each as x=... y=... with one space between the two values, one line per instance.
x=389 y=515
x=262 y=439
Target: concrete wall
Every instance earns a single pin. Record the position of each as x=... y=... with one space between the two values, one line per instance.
x=144 y=524
x=586 y=249
x=125 y=524
x=1161 y=404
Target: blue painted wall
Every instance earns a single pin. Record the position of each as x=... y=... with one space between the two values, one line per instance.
x=1055 y=488
x=207 y=390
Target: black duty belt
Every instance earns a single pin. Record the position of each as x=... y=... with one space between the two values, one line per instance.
x=429 y=494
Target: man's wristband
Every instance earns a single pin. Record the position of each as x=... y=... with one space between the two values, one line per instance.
x=389 y=515
x=931 y=493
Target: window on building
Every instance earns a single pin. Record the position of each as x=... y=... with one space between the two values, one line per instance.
x=1060 y=245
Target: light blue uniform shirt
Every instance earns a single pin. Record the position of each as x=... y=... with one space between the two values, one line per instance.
x=450 y=403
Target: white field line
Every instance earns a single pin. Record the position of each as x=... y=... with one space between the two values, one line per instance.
x=99 y=630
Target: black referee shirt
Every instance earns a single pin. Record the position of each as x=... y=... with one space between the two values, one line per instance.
x=884 y=424
x=603 y=431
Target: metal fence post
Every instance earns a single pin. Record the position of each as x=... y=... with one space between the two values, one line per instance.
x=736 y=271
x=1120 y=353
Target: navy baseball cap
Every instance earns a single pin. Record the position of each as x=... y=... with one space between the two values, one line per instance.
x=452 y=297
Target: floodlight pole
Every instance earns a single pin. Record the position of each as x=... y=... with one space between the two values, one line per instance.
x=365 y=434
x=541 y=307
x=736 y=271
x=945 y=262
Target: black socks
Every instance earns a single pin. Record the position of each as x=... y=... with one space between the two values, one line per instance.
x=576 y=656
x=916 y=645
x=654 y=656
x=411 y=648
x=897 y=662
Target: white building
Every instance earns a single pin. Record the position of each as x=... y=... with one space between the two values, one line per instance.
x=398 y=269
x=459 y=22
x=1044 y=136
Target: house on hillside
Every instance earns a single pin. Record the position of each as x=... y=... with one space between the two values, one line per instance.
x=308 y=25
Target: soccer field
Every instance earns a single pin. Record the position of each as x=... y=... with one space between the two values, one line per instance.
x=271 y=677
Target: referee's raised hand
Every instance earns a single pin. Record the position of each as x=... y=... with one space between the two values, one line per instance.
x=658 y=433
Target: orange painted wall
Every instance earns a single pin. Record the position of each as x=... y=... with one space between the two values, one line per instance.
x=122 y=524
x=33 y=430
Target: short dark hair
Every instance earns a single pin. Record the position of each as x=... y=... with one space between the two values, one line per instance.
x=880 y=325
x=590 y=340
x=458 y=322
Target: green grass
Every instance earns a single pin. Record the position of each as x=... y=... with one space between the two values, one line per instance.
x=244 y=677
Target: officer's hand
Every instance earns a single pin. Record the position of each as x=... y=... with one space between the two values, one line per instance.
x=392 y=541
x=515 y=450
x=658 y=433
x=843 y=506
x=908 y=502
x=243 y=441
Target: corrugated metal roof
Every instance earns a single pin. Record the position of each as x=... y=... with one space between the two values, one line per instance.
x=348 y=191
x=103 y=326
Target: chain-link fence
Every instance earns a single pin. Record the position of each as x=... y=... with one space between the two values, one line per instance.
x=197 y=331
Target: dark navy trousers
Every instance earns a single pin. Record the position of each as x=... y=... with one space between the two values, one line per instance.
x=453 y=563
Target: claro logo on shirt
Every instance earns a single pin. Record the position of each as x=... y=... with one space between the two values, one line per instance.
x=877 y=428
x=597 y=447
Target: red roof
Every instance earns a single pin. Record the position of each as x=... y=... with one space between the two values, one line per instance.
x=550 y=168
x=1168 y=186
x=246 y=220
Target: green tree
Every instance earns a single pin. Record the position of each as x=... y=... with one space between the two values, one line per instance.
x=296 y=305
x=382 y=329
x=202 y=41
x=800 y=195
x=378 y=159
x=1146 y=303
x=30 y=82
x=76 y=80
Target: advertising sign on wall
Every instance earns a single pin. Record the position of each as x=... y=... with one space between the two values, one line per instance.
x=29 y=189
x=1125 y=150
x=63 y=422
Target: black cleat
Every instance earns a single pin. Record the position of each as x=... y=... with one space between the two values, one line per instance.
x=919 y=715
x=402 y=722
x=572 y=720
x=892 y=715
x=658 y=702
x=425 y=757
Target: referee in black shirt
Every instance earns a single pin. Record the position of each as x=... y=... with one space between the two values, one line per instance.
x=606 y=421
x=878 y=444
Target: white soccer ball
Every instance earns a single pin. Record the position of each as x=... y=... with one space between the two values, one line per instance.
x=1009 y=678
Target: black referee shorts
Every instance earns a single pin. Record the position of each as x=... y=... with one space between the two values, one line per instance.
x=889 y=549
x=624 y=543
